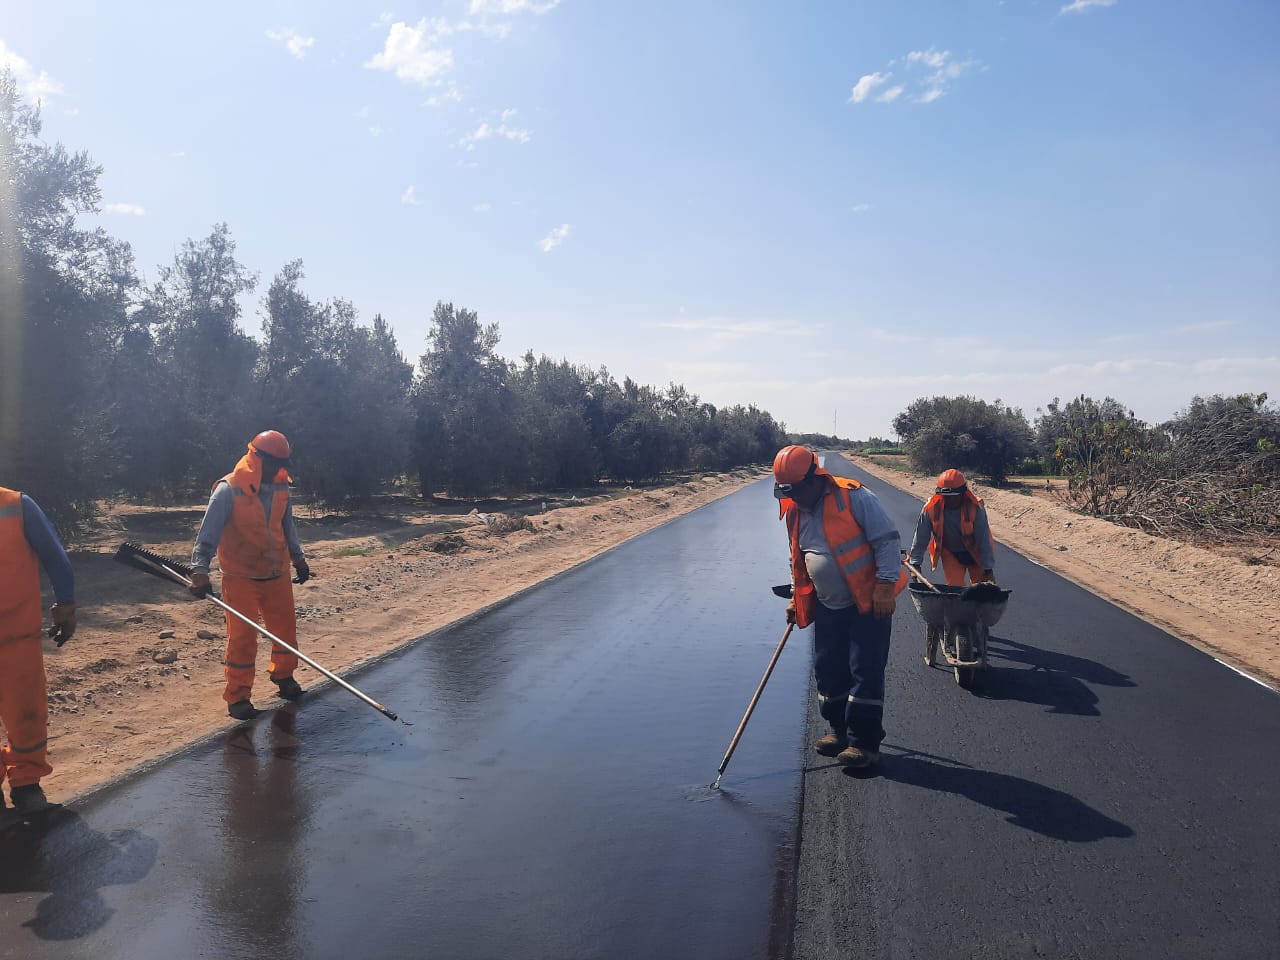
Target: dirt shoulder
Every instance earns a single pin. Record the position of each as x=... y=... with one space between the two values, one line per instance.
x=1213 y=599
x=382 y=580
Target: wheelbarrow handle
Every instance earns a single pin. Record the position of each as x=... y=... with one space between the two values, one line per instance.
x=920 y=576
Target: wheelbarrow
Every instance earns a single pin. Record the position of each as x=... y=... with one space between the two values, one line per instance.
x=958 y=619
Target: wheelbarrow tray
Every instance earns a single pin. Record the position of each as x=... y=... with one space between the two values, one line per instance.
x=949 y=605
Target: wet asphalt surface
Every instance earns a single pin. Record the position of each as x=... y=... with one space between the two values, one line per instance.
x=1107 y=792
x=551 y=798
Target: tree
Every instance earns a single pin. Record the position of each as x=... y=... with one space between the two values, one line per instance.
x=64 y=297
x=1076 y=420
x=463 y=406
x=212 y=404
x=553 y=401
x=965 y=433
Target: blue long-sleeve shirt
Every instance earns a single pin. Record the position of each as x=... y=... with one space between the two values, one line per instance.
x=218 y=514
x=48 y=548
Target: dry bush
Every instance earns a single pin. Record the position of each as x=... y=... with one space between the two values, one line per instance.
x=1212 y=474
x=504 y=523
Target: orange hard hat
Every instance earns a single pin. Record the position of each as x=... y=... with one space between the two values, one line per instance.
x=794 y=464
x=272 y=443
x=951 y=482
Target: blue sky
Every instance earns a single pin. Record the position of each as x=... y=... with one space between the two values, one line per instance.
x=827 y=209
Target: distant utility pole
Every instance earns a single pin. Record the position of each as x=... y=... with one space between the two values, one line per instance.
x=834 y=411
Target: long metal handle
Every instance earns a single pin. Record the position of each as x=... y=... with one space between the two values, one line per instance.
x=733 y=744
x=302 y=656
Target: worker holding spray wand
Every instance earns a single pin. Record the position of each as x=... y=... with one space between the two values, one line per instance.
x=249 y=523
x=846 y=572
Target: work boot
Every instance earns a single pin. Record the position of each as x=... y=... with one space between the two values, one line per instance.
x=289 y=688
x=242 y=710
x=831 y=744
x=858 y=758
x=28 y=799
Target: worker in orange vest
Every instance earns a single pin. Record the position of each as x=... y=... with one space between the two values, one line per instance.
x=846 y=574
x=953 y=524
x=249 y=523
x=28 y=542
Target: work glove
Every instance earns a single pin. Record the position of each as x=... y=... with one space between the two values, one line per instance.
x=988 y=576
x=791 y=612
x=200 y=585
x=64 y=622
x=883 y=600
x=303 y=571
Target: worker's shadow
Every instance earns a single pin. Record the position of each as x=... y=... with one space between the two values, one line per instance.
x=1058 y=681
x=59 y=854
x=1029 y=805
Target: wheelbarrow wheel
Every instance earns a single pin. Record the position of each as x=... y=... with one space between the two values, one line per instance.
x=964 y=651
x=931 y=637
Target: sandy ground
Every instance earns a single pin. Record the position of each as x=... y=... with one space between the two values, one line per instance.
x=384 y=578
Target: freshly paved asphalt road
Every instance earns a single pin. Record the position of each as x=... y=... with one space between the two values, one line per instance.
x=551 y=799
x=1111 y=792
x=1108 y=792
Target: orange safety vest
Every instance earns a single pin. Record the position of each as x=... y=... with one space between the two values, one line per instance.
x=849 y=547
x=252 y=544
x=968 y=513
x=20 y=613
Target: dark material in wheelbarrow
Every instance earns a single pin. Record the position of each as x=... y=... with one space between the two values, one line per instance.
x=960 y=606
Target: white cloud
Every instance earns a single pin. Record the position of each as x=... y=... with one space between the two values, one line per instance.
x=34 y=84
x=130 y=209
x=486 y=7
x=375 y=131
x=504 y=130
x=490 y=31
x=408 y=197
x=860 y=208
x=1079 y=6
x=930 y=58
x=177 y=154
x=1111 y=367
x=1208 y=325
x=1238 y=366
x=293 y=41
x=944 y=69
x=482 y=207
x=725 y=328
x=450 y=94
x=866 y=84
x=413 y=54
x=554 y=238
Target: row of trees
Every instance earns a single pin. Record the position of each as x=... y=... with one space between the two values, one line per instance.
x=1212 y=471
x=112 y=387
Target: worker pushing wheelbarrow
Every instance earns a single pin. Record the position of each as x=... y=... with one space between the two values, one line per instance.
x=953 y=526
x=958 y=620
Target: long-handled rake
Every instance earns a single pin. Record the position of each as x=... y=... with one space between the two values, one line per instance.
x=781 y=591
x=134 y=555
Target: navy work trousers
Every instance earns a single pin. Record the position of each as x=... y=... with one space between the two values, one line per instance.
x=850 y=652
